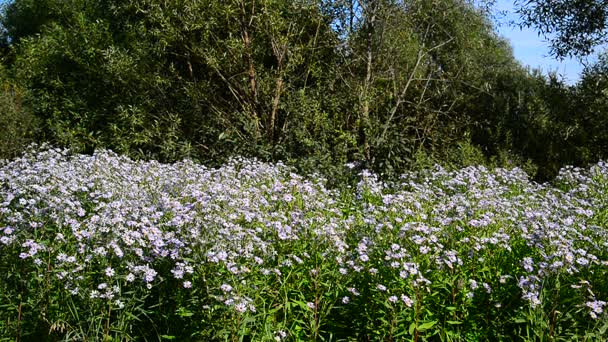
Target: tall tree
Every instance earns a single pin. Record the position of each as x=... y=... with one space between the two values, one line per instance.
x=314 y=82
x=573 y=27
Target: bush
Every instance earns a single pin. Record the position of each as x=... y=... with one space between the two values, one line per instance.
x=18 y=125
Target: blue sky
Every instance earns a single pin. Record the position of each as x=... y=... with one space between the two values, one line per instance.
x=531 y=50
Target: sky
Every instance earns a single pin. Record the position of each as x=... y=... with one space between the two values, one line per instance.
x=532 y=50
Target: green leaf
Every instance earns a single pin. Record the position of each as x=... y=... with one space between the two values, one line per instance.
x=412 y=328
x=426 y=326
x=132 y=316
x=184 y=312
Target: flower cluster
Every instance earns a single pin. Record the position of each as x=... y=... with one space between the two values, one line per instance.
x=103 y=226
x=82 y=217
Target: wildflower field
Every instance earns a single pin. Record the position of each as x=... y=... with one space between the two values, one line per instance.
x=104 y=248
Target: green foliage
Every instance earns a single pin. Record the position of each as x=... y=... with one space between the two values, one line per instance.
x=106 y=248
x=573 y=28
x=19 y=126
x=592 y=101
x=90 y=92
x=317 y=83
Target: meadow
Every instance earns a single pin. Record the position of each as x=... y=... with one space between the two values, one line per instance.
x=104 y=248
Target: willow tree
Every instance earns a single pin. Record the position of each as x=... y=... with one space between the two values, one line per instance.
x=573 y=28
x=314 y=82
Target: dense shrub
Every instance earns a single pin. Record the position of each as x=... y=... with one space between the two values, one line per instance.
x=314 y=83
x=18 y=125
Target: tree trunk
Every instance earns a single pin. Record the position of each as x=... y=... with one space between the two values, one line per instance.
x=365 y=122
x=253 y=86
x=275 y=107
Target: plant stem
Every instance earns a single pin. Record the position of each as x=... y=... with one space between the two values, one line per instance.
x=19 y=322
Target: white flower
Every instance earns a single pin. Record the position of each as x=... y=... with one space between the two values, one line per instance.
x=241 y=307
x=407 y=301
x=119 y=304
x=280 y=335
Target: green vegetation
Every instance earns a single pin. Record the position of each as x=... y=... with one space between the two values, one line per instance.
x=310 y=170
x=103 y=248
x=574 y=28
x=315 y=83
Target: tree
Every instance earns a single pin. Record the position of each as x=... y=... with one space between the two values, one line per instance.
x=592 y=101
x=573 y=27
x=313 y=82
